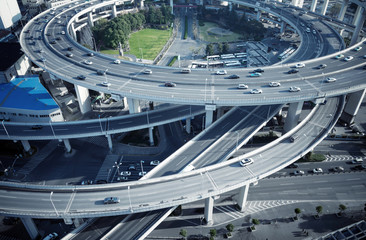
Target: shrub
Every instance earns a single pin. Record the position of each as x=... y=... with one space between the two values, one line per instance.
x=255 y=221
x=230 y=227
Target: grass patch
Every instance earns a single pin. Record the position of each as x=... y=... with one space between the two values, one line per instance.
x=172 y=61
x=151 y=41
x=204 y=34
x=312 y=157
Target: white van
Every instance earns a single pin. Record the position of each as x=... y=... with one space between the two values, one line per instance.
x=185 y=70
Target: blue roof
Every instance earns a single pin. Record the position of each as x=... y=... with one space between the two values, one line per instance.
x=26 y=93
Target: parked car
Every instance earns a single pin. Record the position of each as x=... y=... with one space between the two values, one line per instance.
x=299 y=172
x=359 y=167
x=154 y=163
x=317 y=170
x=111 y=200
x=246 y=162
x=51 y=236
x=337 y=169
x=125 y=173
x=142 y=174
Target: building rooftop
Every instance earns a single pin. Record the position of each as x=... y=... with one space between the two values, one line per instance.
x=10 y=53
x=26 y=93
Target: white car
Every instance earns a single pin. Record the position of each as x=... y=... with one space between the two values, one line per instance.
x=349 y=58
x=256 y=91
x=51 y=236
x=117 y=61
x=147 y=71
x=142 y=173
x=274 y=84
x=330 y=79
x=295 y=89
x=246 y=162
x=125 y=173
x=242 y=86
x=154 y=163
x=221 y=72
x=106 y=84
x=299 y=172
x=357 y=48
x=317 y=170
x=300 y=65
x=63 y=32
x=87 y=62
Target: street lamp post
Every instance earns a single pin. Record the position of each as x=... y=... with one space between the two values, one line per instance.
x=54 y=135
x=100 y=123
x=237 y=140
x=142 y=54
x=129 y=198
x=53 y=203
x=142 y=168
x=5 y=129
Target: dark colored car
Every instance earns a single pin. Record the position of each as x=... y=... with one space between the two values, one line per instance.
x=170 y=84
x=294 y=165
x=70 y=49
x=292 y=71
x=111 y=200
x=234 y=76
x=321 y=66
x=37 y=127
x=90 y=54
x=70 y=55
x=101 y=72
x=259 y=70
x=53 y=42
x=81 y=77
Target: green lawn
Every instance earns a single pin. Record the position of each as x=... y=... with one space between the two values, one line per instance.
x=204 y=34
x=151 y=41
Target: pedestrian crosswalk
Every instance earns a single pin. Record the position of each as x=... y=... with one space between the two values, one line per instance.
x=251 y=207
x=340 y=158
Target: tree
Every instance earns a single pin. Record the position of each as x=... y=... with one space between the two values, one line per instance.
x=219 y=48
x=230 y=227
x=183 y=233
x=342 y=208
x=213 y=233
x=335 y=9
x=319 y=210
x=225 y=48
x=255 y=221
x=297 y=211
x=209 y=50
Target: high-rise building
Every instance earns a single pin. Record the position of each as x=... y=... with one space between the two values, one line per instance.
x=9 y=13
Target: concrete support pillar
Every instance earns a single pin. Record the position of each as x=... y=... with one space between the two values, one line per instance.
x=230 y=6
x=114 y=11
x=242 y=198
x=343 y=10
x=30 y=227
x=73 y=31
x=283 y=27
x=188 y=125
x=151 y=136
x=352 y=106
x=313 y=5
x=324 y=8
x=258 y=15
x=209 y=118
x=358 y=22
x=293 y=115
x=341 y=32
x=77 y=222
x=219 y=112
x=67 y=145
x=171 y=5
x=209 y=203
x=110 y=143
x=133 y=105
x=82 y=94
x=90 y=19
x=26 y=145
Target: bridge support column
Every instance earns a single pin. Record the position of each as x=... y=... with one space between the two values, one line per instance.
x=67 y=145
x=151 y=136
x=110 y=143
x=293 y=115
x=341 y=32
x=142 y=5
x=313 y=5
x=30 y=227
x=343 y=10
x=77 y=222
x=209 y=203
x=219 y=112
x=188 y=125
x=82 y=94
x=73 y=31
x=258 y=15
x=283 y=27
x=209 y=118
x=352 y=106
x=133 y=105
x=324 y=8
x=114 y=11
x=358 y=22
x=171 y=5
x=26 y=145
x=242 y=198
x=90 y=19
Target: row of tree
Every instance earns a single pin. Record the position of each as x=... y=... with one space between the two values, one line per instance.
x=111 y=33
